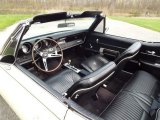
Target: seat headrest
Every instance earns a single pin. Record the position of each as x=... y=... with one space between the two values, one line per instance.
x=135 y=47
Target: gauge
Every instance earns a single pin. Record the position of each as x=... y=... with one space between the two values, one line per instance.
x=26 y=48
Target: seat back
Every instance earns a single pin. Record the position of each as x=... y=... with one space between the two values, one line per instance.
x=91 y=81
x=127 y=55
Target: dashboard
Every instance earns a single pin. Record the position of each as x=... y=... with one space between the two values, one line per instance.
x=65 y=42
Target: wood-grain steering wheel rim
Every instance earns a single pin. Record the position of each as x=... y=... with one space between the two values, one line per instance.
x=33 y=56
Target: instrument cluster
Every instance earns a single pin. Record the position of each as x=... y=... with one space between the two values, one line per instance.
x=27 y=47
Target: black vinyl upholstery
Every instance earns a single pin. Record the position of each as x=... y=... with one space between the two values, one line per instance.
x=95 y=62
x=63 y=81
x=127 y=107
x=135 y=99
x=132 y=103
x=129 y=52
x=143 y=83
x=72 y=84
x=92 y=81
x=127 y=55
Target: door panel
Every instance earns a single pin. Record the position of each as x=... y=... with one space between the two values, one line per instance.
x=97 y=40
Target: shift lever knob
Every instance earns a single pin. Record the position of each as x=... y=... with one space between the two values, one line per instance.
x=69 y=61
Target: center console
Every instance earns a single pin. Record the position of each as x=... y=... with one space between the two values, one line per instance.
x=72 y=67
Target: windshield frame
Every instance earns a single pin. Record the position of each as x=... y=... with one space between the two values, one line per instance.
x=51 y=27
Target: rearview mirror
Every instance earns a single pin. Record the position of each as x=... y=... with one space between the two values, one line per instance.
x=61 y=25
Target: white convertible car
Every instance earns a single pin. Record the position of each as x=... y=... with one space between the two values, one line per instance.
x=64 y=67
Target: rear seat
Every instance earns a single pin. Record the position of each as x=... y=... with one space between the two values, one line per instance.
x=135 y=99
x=143 y=83
x=127 y=107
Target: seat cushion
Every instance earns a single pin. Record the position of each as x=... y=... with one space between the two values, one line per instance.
x=93 y=63
x=134 y=100
x=143 y=83
x=127 y=106
x=63 y=81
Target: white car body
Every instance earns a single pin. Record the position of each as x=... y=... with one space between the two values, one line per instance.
x=29 y=100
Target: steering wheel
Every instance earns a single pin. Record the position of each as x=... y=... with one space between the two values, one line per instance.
x=45 y=52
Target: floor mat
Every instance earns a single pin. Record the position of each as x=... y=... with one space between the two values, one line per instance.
x=118 y=82
x=96 y=106
x=105 y=95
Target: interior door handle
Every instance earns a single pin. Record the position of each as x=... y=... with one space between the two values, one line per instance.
x=151 y=52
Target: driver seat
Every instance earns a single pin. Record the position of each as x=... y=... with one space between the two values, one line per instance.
x=72 y=85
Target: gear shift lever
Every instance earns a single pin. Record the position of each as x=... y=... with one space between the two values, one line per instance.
x=68 y=65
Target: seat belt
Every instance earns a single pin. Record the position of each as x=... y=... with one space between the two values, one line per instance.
x=154 y=107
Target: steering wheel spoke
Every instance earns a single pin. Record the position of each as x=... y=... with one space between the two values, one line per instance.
x=45 y=63
x=52 y=55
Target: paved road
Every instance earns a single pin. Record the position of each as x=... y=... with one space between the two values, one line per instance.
x=115 y=28
x=131 y=31
x=6 y=112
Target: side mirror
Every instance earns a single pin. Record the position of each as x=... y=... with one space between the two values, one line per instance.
x=8 y=59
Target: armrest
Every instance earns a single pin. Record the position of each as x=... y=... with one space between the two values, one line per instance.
x=151 y=64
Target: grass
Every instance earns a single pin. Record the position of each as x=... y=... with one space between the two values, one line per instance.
x=7 y=20
x=150 y=23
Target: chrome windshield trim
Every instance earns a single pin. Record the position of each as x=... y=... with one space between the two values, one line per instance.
x=12 y=43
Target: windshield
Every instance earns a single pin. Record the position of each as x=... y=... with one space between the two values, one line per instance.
x=6 y=34
x=58 y=26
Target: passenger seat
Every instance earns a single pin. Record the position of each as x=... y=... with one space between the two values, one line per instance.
x=95 y=62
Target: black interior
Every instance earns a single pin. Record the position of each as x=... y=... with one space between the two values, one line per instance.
x=102 y=100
